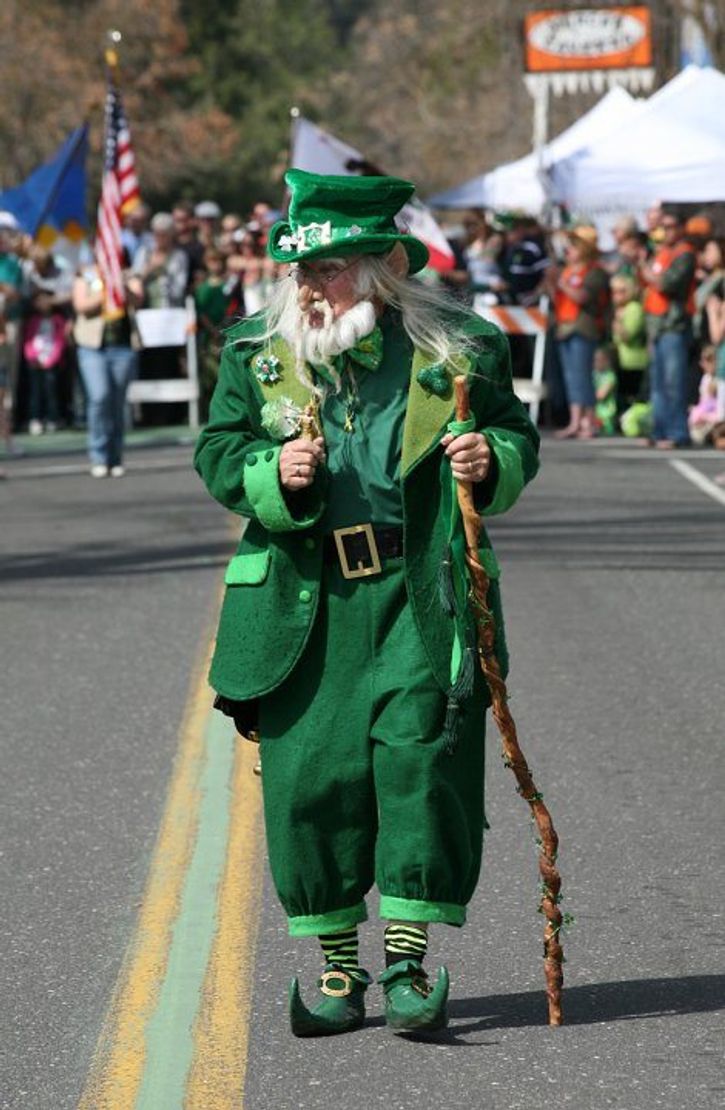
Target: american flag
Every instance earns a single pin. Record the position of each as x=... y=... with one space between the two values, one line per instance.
x=119 y=194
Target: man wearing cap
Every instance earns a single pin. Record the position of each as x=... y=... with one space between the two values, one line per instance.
x=331 y=430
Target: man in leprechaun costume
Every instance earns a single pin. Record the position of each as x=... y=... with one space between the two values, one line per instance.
x=332 y=430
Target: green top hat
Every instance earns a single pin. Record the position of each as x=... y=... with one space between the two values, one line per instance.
x=333 y=217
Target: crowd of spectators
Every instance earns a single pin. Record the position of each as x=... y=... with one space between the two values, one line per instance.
x=52 y=336
x=637 y=337
x=637 y=333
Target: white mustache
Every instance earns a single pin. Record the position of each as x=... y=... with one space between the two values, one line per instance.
x=319 y=345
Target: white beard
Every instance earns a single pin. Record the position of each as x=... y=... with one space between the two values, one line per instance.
x=319 y=345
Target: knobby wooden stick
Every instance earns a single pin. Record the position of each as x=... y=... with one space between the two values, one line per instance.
x=513 y=756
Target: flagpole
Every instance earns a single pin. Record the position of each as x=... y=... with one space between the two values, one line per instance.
x=110 y=52
x=294 y=115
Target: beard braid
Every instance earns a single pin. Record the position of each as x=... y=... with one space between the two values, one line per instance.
x=320 y=345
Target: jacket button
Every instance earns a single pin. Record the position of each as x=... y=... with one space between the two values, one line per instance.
x=305 y=596
x=310 y=543
x=250 y=460
x=268 y=456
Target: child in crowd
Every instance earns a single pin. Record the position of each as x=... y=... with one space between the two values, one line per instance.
x=630 y=338
x=605 y=392
x=212 y=300
x=704 y=416
x=44 y=349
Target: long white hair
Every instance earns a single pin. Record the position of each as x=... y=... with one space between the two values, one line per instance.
x=433 y=321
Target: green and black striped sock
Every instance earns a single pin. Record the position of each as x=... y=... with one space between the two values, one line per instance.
x=341 y=949
x=405 y=941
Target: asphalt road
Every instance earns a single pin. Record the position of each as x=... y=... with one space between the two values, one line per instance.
x=613 y=573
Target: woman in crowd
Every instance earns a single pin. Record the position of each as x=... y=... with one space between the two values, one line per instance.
x=581 y=297
x=711 y=281
x=255 y=270
x=161 y=269
x=107 y=364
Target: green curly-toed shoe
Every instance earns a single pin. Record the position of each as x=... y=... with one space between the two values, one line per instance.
x=341 y=1010
x=411 y=1004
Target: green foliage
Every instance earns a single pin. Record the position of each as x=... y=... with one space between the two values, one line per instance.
x=257 y=60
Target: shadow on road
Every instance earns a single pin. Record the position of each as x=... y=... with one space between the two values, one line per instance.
x=588 y=1005
x=91 y=562
x=672 y=538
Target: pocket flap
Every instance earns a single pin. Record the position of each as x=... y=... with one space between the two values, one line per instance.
x=250 y=569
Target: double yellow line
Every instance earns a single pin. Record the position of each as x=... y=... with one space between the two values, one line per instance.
x=177 y=1026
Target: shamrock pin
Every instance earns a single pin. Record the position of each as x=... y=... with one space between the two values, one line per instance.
x=434 y=379
x=267 y=369
x=282 y=418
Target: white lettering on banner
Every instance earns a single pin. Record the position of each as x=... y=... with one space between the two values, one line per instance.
x=587 y=34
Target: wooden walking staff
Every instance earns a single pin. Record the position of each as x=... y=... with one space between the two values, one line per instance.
x=513 y=756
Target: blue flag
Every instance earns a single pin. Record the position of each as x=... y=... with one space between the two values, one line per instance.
x=52 y=201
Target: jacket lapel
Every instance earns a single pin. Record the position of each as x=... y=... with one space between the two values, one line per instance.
x=288 y=384
x=427 y=413
x=426 y=416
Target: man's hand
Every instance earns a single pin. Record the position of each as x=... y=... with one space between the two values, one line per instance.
x=470 y=456
x=298 y=461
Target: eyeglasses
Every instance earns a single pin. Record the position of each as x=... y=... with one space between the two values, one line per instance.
x=304 y=273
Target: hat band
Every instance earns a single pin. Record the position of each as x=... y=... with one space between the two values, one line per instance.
x=309 y=237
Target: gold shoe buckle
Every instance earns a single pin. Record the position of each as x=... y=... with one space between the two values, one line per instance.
x=420 y=984
x=336 y=992
x=372 y=556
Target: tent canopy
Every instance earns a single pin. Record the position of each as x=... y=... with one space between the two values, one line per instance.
x=673 y=150
x=516 y=185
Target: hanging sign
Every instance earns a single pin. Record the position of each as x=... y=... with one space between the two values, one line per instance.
x=587 y=38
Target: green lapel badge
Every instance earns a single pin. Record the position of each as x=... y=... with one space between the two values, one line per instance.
x=267 y=369
x=435 y=379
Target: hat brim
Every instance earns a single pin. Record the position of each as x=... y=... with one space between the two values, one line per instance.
x=418 y=254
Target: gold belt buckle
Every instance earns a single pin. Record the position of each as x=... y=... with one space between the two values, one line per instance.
x=360 y=571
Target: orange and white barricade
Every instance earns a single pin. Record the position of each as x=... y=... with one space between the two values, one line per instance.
x=517 y=320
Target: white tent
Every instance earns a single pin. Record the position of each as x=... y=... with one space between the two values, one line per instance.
x=673 y=150
x=516 y=185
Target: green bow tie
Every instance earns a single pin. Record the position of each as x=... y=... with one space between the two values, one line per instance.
x=367 y=354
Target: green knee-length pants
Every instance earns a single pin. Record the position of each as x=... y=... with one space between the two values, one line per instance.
x=358 y=788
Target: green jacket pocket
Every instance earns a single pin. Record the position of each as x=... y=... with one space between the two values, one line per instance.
x=248 y=570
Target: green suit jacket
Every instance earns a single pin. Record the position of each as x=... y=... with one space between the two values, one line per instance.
x=273 y=582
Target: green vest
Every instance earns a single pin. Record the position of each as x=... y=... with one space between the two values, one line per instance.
x=274 y=581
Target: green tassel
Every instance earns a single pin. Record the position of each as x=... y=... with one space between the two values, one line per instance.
x=451 y=725
x=462 y=688
x=446 y=591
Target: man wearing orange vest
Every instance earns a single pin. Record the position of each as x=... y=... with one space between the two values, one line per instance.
x=669 y=307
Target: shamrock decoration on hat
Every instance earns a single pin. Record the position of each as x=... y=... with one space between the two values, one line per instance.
x=334 y=217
